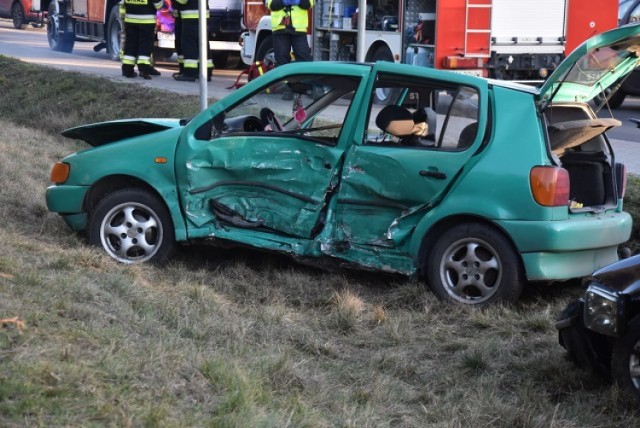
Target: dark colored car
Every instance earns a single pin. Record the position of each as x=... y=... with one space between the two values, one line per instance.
x=19 y=11
x=601 y=330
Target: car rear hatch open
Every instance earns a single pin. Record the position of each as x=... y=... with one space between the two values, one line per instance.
x=600 y=63
x=576 y=138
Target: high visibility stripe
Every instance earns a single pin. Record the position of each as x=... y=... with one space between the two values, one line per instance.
x=190 y=63
x=140 y=21
x=192 y=14
x=139 y=16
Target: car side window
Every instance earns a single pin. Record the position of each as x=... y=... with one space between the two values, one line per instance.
x=308 y=106
x=423 y=114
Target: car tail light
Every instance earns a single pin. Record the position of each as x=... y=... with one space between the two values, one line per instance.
x=550 y=185
x=621 y=179
x=59 y=172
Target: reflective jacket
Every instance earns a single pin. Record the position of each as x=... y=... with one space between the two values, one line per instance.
x=189 y=9
x=298 y=14
x=141 y=11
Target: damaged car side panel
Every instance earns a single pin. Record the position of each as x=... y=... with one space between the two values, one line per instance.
x=254 y=180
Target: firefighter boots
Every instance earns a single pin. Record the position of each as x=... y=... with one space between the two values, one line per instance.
x=127 y=70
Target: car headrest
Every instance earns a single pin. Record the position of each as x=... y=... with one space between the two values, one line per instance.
x=396 y=120
x=426 y=115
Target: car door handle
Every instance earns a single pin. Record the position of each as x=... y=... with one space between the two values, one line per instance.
x=435 y=174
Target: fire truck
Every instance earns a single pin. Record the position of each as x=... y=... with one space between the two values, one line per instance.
x=100 y=21
x=504 y=39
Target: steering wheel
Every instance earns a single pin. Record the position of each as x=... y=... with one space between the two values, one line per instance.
x=269 y=118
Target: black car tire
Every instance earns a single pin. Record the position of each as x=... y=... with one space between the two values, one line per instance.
x=17 y=16
x=114 y=38
x=264 y=52
x=615 y=101
x=625 y=359
x=137 y=219
x=473 y=263
x=59 y=39
x=220 y=59
x=384 y=95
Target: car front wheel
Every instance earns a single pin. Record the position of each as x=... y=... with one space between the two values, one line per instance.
x=625 y=359
x=133 y=226
x=472 y=263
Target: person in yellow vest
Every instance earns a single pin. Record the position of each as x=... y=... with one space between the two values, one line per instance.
x=139 y=27
x=289 y=22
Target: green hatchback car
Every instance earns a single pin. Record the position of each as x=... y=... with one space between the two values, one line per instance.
x=475 y=186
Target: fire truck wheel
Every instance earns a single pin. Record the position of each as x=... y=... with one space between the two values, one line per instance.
x=114 y=33
x=384 y=95
x=615 y=100
x=17 y=15
x=221 y=59
x=264 y=52
x=59 y=39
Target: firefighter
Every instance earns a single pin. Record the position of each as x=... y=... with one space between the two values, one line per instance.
x=140 y=24
x=177 y=32
x=289 y=23
x=189 y=42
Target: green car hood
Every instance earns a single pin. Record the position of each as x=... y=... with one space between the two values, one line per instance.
x=98 y=134
x=597 y=64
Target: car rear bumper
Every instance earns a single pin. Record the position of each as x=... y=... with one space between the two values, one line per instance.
x=547 y=266
x=68 y=201
x=557 y=250
x=579 y=233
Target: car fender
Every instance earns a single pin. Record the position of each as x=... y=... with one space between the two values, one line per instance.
x=148 y=159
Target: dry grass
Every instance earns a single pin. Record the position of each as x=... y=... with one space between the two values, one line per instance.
x=238 y=338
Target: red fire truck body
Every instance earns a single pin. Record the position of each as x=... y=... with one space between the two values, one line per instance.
x=518 y=40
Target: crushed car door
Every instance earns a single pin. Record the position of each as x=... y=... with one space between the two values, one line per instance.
x=271 y=171
x=411 y=154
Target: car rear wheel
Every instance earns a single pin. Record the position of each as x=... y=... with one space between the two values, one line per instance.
x=18 y=16
x=472 y=263
x=625 y=359
x=133 y=226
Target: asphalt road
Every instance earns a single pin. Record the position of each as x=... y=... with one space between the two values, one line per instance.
x=31 y=45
